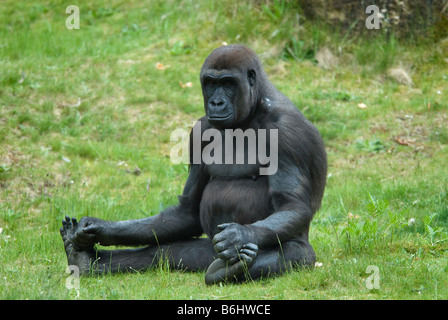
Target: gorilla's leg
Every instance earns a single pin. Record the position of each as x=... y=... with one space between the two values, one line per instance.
x=193 y=254
x=253 y=265
x=221 y=270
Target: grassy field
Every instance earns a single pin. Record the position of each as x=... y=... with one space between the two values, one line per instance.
x=85 y=123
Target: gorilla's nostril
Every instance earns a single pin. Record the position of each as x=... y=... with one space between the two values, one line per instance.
x=217 y=102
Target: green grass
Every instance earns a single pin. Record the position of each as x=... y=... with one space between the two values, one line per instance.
x=81 y=109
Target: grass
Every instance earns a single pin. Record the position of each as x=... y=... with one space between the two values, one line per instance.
x=80 y=110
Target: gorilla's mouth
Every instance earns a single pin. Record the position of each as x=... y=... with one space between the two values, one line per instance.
x=219 y=117
x=220 y=121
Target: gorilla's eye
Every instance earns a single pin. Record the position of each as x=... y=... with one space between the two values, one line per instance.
x=210 y=87
x=228 y=83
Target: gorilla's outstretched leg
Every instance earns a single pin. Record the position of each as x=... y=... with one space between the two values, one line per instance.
x=193 y=254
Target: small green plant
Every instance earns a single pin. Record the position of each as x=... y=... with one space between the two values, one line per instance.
x=431 y=233
x=276 y=10
x=376 y=230
x=4 y=168
x=180 y=48
x=373 y=146
x=359 y=235
x=299 y=50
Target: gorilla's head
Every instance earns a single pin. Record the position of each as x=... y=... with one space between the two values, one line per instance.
x=232 y=79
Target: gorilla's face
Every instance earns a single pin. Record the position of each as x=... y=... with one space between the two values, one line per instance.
x=228 y=87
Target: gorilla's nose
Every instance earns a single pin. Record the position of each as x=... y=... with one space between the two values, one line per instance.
x=217 y=102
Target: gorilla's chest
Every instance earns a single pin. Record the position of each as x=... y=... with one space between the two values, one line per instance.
x=240 y=153
x=240 y=200
x=234 y=171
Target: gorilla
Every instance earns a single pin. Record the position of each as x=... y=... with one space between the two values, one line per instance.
x=256 y=222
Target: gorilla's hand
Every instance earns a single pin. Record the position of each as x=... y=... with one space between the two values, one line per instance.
x=73 y=235
x=90 y=231
x=230 y=242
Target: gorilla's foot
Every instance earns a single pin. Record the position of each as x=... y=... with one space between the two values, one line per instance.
x=82 y=258
x=223 y=271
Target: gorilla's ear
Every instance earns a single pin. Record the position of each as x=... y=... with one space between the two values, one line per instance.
x=251 y=75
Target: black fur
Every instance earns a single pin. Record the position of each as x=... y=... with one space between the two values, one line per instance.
x=256 y=224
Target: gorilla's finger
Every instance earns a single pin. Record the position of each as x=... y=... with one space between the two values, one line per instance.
x=223 y=226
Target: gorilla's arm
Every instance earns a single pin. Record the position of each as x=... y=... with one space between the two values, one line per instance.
x=174 y=223
x=290 y=193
